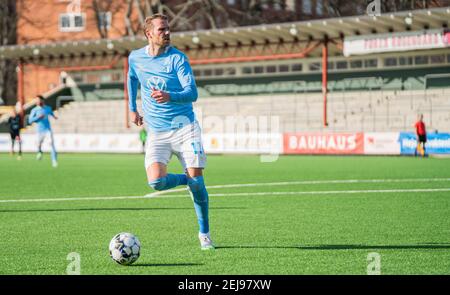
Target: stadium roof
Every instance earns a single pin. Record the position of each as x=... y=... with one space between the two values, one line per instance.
x=250 y=36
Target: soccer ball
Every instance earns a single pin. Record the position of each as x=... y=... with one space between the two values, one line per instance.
x=125 y=248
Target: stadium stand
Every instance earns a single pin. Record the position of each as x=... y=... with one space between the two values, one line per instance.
x=367 y=91
x=350 y=111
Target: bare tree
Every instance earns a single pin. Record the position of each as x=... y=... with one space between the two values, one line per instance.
x=101 y=10
x=183 y=15
x=128 y=24
x=8 y=36
x=401 y=5
x=338 y=8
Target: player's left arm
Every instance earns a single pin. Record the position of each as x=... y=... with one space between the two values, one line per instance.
x=186 y=77
x=54 y=116
x=50 y=113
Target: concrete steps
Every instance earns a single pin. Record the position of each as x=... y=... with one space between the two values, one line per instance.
x=370 y=111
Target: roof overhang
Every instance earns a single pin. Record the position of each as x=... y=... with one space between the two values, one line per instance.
x=334 y=29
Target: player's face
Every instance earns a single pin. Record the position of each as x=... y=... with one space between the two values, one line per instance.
x=160 y=34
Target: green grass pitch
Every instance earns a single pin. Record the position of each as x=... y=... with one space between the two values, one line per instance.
x=298 y=216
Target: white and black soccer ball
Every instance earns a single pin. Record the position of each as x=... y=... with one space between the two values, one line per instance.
x=125 y=248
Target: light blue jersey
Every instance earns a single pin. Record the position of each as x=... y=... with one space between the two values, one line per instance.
x=169 y=72
x=43 y=124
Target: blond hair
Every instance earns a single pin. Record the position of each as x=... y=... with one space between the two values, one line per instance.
x=148 y=25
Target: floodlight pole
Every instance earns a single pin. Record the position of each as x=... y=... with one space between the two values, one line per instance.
x=325 y=78
x=125 y=89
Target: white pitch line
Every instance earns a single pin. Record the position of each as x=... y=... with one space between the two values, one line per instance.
x=425 y=190
x=431 y=190
x=341 y=181
x=72 y=199
x=333 y=182
x=156 y=194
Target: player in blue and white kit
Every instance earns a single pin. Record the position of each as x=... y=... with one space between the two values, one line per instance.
x=39 y=115
x=168 y=90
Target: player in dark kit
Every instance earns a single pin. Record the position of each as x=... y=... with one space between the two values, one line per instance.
x=14 y=130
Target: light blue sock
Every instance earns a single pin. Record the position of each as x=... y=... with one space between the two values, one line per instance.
x=201 y=202
x=168 y=182
x=54 y=154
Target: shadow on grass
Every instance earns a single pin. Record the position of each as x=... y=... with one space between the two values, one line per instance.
x=165 y=264
x=431 y=246
x=111 y=209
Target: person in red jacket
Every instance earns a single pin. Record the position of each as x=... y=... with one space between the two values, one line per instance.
x=421 y=134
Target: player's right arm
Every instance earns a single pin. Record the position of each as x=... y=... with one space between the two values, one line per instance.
x=33 y=116
x=185 y=75
x=132 y=85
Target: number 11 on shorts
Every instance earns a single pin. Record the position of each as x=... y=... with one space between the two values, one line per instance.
x=197 y=146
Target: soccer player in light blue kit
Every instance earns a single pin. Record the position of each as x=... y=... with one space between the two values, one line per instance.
x=39 y=115
x=168 y=90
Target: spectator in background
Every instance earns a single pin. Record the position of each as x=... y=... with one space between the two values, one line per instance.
x=40 y=114
x=421 y=134
x=15 y=125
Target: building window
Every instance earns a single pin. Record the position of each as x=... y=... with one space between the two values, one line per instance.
x=405 y=61
x=285 y=68
x=356 y=64
x=390 y=62
x=297 y=67
x=271 y=69
x=71 y=22
x=340 y=65
x=319 y=7
x=247 y=70
x=230 y=71
x=307 y=7
x=207 y=72
x=421 y=60
x=196 y=73
x=104 y=19
x=231 y=2
x=371 y=63
x=64 y=22
x=259 y=70
x=218 y=72
x=315 y=66
x=437 y=59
